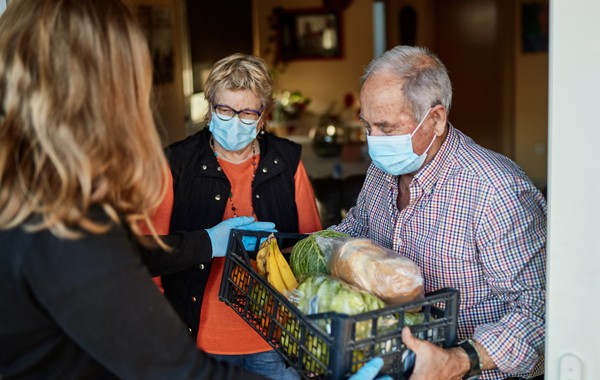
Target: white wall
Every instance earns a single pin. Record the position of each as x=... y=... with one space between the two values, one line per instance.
x=574 y=188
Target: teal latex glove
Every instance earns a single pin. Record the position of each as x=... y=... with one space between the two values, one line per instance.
x=219 y=234
x=370 y=370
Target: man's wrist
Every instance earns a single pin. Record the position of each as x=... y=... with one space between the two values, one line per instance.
x=474 y=359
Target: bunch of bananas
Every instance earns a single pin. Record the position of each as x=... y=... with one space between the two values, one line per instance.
x=271 y=264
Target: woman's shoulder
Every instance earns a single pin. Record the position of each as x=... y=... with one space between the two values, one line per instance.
x=42 y=252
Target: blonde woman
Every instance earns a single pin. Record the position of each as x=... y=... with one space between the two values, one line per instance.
x=80 y=167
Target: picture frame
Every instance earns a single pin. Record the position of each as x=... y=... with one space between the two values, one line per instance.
x=312 y=33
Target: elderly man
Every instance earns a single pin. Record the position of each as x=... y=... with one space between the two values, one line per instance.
x=469 y=217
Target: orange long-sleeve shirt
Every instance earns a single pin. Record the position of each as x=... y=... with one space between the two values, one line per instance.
x=221 y=330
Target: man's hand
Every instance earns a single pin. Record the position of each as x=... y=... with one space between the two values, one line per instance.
x=434 y=362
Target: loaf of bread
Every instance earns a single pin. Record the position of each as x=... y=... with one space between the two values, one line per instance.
x=385 y=274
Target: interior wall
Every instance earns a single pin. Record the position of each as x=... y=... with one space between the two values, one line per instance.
x=467 y=39
x=520 y=110
x=324 y=81
x=531 y=105
x=207 y=21
x=169 y=97
x=424 y=24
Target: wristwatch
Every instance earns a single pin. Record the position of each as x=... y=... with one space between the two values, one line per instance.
x=474 y=359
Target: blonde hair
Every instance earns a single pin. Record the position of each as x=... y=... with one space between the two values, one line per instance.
x=76 y=127
x=241 y=72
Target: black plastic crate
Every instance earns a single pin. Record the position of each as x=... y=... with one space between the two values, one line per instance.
x=326 y=346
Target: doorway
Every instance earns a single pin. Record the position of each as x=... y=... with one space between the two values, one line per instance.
x=475 y=39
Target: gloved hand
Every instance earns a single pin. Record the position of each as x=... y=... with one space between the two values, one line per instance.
x=219 y=234
x=370 y=370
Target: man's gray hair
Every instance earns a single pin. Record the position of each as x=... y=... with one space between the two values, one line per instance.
x=425 y=80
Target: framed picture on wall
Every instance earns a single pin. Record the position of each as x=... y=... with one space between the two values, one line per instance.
x=314 y=33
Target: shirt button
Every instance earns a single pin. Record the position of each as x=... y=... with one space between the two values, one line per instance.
x=194 y=299
x=218 y=197
x=219 y=168
x=276 y=161
x=257 y=196
x=201 y=266
x=204 y=167
x=265 y=170
x=190 y=330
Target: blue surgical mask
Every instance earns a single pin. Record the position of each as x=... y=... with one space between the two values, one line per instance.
x=394 y=154
x=232 y=134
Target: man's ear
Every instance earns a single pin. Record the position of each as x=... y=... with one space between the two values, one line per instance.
x=440 y=119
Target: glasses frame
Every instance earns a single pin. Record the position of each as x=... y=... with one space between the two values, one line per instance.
x=236 y=113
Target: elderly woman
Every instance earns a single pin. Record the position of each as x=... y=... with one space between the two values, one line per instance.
x=233 y=168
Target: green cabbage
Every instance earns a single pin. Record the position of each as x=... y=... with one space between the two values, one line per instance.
x=324 y=293
x=307 y=258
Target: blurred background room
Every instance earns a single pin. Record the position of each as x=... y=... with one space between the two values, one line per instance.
x=496 y=52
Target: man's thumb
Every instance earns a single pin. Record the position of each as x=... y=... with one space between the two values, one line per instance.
x=409 y=340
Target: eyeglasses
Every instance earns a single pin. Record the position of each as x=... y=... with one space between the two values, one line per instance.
x=226 y=113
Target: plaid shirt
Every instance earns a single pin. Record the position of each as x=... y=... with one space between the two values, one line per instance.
x=476 y=223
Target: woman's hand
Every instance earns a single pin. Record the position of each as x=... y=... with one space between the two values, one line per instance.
x=219 y=234
x=370 y=370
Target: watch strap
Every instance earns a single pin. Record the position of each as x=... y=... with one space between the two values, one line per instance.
x=474 y=360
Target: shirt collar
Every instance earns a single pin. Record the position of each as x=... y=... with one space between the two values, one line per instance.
x=429 y=175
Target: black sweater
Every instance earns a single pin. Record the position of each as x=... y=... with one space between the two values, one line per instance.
x=88 y=309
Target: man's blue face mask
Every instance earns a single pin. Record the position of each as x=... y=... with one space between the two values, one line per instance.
x=394 y=154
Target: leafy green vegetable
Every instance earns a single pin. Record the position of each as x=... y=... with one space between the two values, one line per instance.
x=307 y=258
x=411 y=319
x=323 y=293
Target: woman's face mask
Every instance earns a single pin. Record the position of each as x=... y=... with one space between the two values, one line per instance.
x=394 y=154
x=232 y=134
